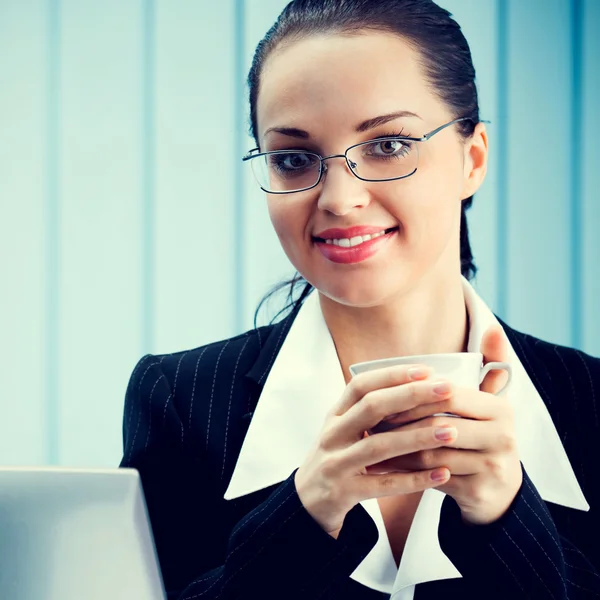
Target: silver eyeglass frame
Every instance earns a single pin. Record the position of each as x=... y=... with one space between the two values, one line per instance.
x=351 y=165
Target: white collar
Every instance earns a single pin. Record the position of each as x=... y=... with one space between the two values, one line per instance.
x=302 y=386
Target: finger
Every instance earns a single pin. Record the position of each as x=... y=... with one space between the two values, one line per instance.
x=464 y=402
x=494 y=347
x=383 y=446
x=470 y=434
x=379 y=404
x=392 y=484
x=458 y=462
x=363 y=383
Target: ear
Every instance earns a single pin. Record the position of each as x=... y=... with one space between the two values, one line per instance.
x=475 y=160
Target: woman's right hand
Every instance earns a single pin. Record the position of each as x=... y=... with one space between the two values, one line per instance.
x=334 y=476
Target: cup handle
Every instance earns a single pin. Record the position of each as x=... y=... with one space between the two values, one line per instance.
x=496 y=366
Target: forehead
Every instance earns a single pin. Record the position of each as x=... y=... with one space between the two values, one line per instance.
x=340 y=80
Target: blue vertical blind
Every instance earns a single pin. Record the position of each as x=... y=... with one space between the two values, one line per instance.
x=130 y=226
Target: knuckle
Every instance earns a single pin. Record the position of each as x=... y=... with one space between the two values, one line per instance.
x=476 y=494
x=389 y=377
x=414 y=391
x=358 y=385
x=418 y=480
x=330 y=466
x=506 y=442
x=494 y=467
x=427 y=459
x=387 y=482
x=370 y=406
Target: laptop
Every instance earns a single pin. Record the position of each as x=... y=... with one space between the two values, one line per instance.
x=68 y=534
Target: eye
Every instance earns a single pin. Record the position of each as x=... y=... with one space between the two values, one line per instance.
x=387 y=148
x=292 y=161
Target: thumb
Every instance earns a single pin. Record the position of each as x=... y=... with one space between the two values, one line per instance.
x=494 y=347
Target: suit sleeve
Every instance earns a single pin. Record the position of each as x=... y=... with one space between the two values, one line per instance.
x=521 y=556
x=276 y=550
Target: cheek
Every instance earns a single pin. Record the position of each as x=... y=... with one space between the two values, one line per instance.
x=427 y=208
x=437 y=220
x=426 y=204
x=289 y=221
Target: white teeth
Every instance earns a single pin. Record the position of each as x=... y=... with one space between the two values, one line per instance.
x=355 y=241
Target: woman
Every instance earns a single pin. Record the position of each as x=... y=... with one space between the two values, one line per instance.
x=370 y=149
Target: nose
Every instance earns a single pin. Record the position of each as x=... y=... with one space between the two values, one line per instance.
x=341 y=191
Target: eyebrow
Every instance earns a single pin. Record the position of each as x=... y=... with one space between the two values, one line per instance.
x=361 y=128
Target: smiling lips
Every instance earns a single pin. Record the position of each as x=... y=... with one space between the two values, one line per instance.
x=354 y=244
x=350 y=232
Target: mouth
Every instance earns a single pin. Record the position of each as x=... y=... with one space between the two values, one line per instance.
x=355 y=241
x=356 y=249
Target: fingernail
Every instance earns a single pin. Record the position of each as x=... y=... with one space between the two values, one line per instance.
x=442 y=387
x=439 y=475
x=445 y=433
x=418 y=372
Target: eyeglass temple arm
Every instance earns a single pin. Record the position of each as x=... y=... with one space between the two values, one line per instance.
x=248 y=154
x=438 y=129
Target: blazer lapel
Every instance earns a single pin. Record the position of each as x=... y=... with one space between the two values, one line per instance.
x=261 y=367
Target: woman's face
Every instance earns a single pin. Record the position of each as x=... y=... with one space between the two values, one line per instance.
x=326 y=86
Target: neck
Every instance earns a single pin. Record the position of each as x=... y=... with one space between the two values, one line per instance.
x=429 y=319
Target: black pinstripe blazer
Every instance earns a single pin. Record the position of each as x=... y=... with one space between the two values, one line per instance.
x=185 y=418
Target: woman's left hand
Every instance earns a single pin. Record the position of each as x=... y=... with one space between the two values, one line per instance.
x=482 y=456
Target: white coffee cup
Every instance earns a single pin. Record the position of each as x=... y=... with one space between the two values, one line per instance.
x=463 y=369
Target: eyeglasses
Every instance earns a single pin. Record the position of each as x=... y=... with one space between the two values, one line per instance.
x=379 y=159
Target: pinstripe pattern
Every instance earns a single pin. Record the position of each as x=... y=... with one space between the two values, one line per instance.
x=265 y=545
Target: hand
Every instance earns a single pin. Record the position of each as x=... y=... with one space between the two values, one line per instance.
x=482 y=455
x=334 y=476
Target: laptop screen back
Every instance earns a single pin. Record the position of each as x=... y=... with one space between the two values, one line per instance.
x=68 y=534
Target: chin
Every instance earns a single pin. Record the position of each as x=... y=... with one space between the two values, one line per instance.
x=364 y=294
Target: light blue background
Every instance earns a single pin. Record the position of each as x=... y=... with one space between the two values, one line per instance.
x=123 y=229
